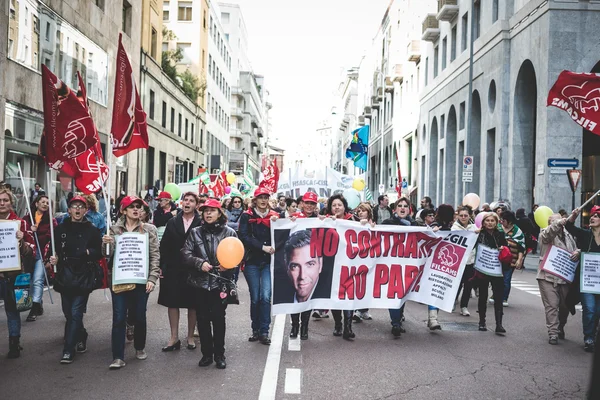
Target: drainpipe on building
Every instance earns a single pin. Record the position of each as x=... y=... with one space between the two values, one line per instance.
x=470 y=97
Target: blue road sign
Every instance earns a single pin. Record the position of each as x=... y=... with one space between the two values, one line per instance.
x=404 y=184
x=563 y=162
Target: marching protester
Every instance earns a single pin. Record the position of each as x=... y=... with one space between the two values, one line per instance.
x=7 y=279
x=516 y=243
x=77 y=260
x=137 y=296
x=41 y=228
x=364 y=213
x=281 y=204
x=426 y=204
x=589 y=241
x=255 y=234
x=400 y=217
x=491 y=237
x=165 y=211
x=174 y=290
x=234 y=211
x=291 y=207
x=93 y=215
x=199 y=256
x=553 y=289
x=382 y=211
x=463 y=223
x=526 y=226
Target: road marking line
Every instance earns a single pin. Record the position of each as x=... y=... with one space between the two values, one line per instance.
x=294 y=344
x=268 y=388
x=293 y=380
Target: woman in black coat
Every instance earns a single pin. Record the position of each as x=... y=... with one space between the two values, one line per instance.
x=174 y=291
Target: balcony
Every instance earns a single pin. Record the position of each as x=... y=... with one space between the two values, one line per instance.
x=447 y=10
x=431 y=28
x=236 y=91
x=398 y=73
x=414 y=50
x=389 y=84
x=236 y=112
x=380 y=93
x=259 y=132
x=254 y=121
x=367 y=111
x=375 y=102
x=361 y=120
x=235 y=133
x=253 y=141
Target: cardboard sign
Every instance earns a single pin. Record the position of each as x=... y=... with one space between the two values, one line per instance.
x=558 y=262
x=487 y=261
x=131 y=259
x=10 y=257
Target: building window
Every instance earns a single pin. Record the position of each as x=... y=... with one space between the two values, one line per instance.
x=164 y=115
x=100 y=4
x=209 y=64
x=204 y=20
x=436 y=56
x=172 y=120
x=186 y=49
x=453 y=44
x=186 y=129
x=494 y=11
x=444 y=52
x=154 y=44
x=192 y=133
x=151 y=111
x=465 y=30
x=201 y=137
x=477 y=16
x=126 y=18
x=461 y=116
x=426 y=71
x=47 y=31
x=224 y=18
x=179 y=126
x=166 y=11
x=184 y=11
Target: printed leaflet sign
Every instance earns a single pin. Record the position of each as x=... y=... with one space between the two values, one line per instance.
x=10 y=258
x=557 y=262
x=131 y=259
x=487 y=261
x=590 y=273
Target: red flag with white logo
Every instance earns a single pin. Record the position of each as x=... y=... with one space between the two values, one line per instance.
x=270 y=177
x=579 y=96
x=129 y=130
x=68 y=127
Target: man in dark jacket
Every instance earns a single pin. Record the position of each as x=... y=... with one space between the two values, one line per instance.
x=165 y=211
x=383 y=210
x=78 y=244
x=255 y=233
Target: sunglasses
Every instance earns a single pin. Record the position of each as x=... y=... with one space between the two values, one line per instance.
x=403 y=206
x=78 y=206
x=136 y=206
x=236 y=201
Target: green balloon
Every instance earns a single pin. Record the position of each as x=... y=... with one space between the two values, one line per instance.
x=173 y=190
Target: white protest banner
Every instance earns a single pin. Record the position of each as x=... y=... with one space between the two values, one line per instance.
x=558 y=262
x=131 y=259
x=344 y=265
x=10 y=257
x=160 y=231
x=590 y=273
x=325 y=183
x=487 y=261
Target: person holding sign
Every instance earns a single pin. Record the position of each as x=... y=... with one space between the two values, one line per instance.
x=490 y=238
x=553 y=289
x=589 y=240
x=125 y=265
x=206 y=276
x=78 y=246
x=11 y=264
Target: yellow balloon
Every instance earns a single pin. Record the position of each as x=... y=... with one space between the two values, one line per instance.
x=358 y=184
x=230 y=252
x=541 y=216
x=230 y=178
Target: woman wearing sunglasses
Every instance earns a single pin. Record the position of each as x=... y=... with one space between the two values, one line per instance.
x=234 y=211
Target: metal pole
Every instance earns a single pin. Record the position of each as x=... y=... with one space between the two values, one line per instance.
x=470 y=94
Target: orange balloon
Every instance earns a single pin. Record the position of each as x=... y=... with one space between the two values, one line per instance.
x=230 y=252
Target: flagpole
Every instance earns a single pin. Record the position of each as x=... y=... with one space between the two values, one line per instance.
x=37 y=242
x=53 y=248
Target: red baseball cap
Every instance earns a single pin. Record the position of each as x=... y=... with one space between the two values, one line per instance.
x=164 y=195
x=310 y=197
x=213 y=203
x=129 y=200
x=261 y=191
x=595 y=210
x=78 y=198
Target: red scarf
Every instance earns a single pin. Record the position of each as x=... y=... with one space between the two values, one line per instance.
x=266 y=221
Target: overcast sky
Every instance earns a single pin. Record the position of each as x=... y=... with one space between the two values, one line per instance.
x=302 y=47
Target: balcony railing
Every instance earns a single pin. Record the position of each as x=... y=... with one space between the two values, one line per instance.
x=398 y=73
x=447 y=10
x=236 y=112
x=414 y=50
x=431 y=28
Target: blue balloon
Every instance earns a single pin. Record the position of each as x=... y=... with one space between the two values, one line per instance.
x=352 y=196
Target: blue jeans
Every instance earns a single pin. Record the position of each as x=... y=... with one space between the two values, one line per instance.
x=396 y=315
x=591 y=312
x=13 y=317
x=73 y=307
x=37 y=282
x=259 y=285
x=429 y=308
x=507 y=278
x=138 y=299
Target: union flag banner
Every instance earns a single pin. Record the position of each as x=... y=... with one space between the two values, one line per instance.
x=129 y=129
x=579 y=96
x=270 y=178
x=68 y=127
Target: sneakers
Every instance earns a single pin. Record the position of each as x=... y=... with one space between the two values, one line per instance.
x=81 y=347
x=588 y=345
x=356 y=317
x=397 y=330
x=491 y=301
x=318 y=314
x=117 y=364
x=254 y=337
x=67 y=358
x=505 y=303
x=141 y=354
x=220 y=361
x=553 y=340
x=366 y=315
x=464 y=311
x=129 y=332
x=264 y=339
x=561 y=333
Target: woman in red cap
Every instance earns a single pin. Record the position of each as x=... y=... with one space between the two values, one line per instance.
x=199 y=256
x=255 y=233
x=138 y=297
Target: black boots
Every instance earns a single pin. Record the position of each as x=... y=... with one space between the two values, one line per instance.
x=220 y=361
x=14 y=348
x=36 y=310
x=304 y=331
x=348 y=334
x=499 y=328
x=294 y=331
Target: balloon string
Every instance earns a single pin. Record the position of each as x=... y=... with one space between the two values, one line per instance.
x=225 y=279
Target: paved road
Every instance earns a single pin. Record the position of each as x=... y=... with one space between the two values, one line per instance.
x=456 y=363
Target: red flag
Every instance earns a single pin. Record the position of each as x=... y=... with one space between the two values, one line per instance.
x=218 y=187
x=399 y=184
x=270 y=178
x=223 y=177
x=579 y=96
x=129 y=130
x=68 y=128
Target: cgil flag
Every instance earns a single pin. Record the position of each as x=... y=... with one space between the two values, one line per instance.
x=129 y=129
x=579 y=96
x=359 y=146
x=270 y=177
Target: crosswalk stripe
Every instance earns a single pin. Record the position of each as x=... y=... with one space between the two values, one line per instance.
x=293 y=380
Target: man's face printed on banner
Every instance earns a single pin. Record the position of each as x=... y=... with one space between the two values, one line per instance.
x=304 y=271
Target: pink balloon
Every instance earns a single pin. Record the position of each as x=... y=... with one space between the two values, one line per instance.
x=472 y=200
x=479 y=219
x=228 y=190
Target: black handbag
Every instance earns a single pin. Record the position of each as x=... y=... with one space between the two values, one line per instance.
x=78 y=276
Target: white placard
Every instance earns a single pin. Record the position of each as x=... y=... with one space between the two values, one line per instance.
x=487 y=261
x=557 y=262
x=131 y=259
x=10 y=257
x=590 y=273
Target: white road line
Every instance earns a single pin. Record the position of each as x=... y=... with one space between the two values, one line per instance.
x=294 y=344
x=268 y=388
x=293 y=380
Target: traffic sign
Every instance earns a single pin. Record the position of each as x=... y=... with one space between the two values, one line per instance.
x=467 y=179
x=570 y=163
x=468 y=163
x=404 y=184
x=381 y=188
x=574 y=177
x=467 y=173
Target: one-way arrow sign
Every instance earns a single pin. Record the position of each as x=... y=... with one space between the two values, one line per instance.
x=563 y=162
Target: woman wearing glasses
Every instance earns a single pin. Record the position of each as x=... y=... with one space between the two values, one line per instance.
x=463 y=223
x=138 y=297
x=234 y=211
